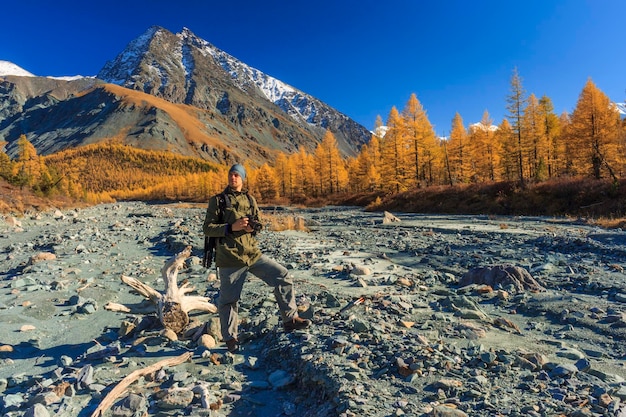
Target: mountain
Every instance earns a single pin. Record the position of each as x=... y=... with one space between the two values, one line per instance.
x=172 y=92
x=183 y=68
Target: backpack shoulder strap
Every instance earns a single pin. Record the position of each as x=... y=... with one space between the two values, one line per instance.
x=223 y=202
x=250 y=200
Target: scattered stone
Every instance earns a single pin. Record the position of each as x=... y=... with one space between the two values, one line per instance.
x=207 y=341
x=42 y=256
x=389 y=218
x=132 y=405
x=503 y=277
x=175 y=399
x=37 y=410
x=279 y=379
x=27 y=328
x=419 y=344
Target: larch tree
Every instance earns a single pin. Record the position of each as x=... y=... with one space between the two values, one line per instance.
x=373 y=158
x=505 y=136
x=458 y=151
x=551 y=131
x=393 y=169
x=537 y=150
x=332 y=173
x=419 y=141
x=6 y=165
x=363 y=171
x=27 y=168
x=285 y=174
x=305 y=184
x=516 y=102
x=266 y=184
x=595 y=129
x=485 y=150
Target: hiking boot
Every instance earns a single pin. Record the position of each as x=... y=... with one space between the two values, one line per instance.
x=232 y=345
x=296 y=323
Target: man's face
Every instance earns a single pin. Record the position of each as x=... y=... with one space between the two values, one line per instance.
x=235 y=181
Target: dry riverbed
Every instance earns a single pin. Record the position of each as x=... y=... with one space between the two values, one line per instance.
x=418 y=344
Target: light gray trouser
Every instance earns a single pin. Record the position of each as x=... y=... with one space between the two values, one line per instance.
x=231 y=285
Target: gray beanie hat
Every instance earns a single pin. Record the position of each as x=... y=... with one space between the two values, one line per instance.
x=239 y=169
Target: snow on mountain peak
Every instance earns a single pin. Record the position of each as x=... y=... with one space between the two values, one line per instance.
x=9 y=68
x=293 y=101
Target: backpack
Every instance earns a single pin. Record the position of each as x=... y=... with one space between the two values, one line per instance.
x=223 y=202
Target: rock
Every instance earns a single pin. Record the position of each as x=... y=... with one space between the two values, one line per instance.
x=280 y=379
x=12 y=221
x=501 y=277
x=131 y=405
x=570 y=353
x=10 y=401
x=564 y=370
x=37 y=410
x=85 y=377
x=170 y=334
x=175 y=399
x=447 y=411
x=389 y=218
x=360 y=270
x=27 y=328
x=42 y=256
x=207 y=341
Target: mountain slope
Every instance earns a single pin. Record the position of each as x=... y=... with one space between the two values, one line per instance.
x=184 y=68
x=81 y=113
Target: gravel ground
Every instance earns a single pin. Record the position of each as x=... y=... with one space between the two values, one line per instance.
x=544 y=338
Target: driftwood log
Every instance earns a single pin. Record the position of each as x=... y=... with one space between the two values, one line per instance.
x=172 y=306
x=120 y=388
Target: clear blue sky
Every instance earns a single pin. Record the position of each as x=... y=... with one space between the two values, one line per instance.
x=362 y=57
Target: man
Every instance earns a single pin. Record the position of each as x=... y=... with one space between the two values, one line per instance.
x=237 y=254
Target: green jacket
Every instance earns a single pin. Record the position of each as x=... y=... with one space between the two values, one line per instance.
x=233 y=249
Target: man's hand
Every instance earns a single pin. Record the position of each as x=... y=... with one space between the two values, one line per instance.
x=241 y=224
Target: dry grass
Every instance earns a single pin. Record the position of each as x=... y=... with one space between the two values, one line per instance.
x=16 y=201
x=282 y=222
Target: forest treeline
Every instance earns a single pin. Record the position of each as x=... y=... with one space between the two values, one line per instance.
x=531 y=145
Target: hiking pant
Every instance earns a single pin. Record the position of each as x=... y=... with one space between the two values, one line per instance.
x=231 y=285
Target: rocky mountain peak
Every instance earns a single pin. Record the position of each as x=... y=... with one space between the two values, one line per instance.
x=186 y=69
